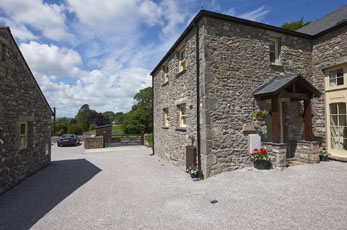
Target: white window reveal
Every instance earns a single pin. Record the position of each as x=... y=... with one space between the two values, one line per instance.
x=23 y=138
x=274 y=50
x=182 y=59
x=166 y=117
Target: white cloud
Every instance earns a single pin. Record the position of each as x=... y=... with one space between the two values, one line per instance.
x=255 y=15
x=49 y=19
x=18 y=30
x=51 y=59
x=124 y=13
x=110 y=88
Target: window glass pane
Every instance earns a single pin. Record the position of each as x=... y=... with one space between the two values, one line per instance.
x=338 y=128
x=342 y=120
x=332 y=78
x=333 y=120
x=342 y=108
x=22 y=128
x=339 y=73
x=333 y=108
x=272 y=46
x=340 y=81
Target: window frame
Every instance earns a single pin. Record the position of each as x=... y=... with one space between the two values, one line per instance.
x=336 y=77
x=277 y=50
x=24 y=135
x=182 y=116
x=182 y=59
x=166 y=72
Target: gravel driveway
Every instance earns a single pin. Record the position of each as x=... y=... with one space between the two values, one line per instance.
x=125 y=188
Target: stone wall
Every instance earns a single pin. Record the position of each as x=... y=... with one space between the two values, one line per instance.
x=170 y=142
x=20 y=100
x=328 y=50
x=277 y=153
x=307 y=151
x=238 y=62
x=94 y=142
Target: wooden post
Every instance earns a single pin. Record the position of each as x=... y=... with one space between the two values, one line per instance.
x=308 y=119
x=142 y=138
x=275 y=108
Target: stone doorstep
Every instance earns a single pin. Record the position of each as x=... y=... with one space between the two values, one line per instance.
x=338 y=157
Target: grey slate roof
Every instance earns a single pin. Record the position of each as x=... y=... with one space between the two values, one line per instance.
x=326 y=22
x=274 y=84
x=277 y=83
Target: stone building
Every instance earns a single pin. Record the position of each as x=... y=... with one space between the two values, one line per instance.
x=299 y=76
x=25 y=117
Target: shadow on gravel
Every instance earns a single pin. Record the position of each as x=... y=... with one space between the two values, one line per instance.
x=28 y=202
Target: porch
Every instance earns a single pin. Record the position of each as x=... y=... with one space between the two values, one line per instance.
x=289 y=126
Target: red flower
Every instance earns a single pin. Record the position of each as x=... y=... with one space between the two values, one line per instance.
x=195 y=163
x=324 y=148
x=255 y=153
x=255 y=149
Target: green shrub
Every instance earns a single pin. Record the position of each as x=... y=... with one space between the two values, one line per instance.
x=149 y=139
x=75 y=129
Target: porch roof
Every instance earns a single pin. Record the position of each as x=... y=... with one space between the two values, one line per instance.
x=278 y=84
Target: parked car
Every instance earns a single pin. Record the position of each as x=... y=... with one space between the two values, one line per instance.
x=68 y=139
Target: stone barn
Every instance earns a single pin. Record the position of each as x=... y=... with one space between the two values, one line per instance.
x=25 y=117
x=224 y=68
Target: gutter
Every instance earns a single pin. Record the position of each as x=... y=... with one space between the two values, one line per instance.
x=198 y=96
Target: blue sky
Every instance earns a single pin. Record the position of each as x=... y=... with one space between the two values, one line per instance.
x=100 y=52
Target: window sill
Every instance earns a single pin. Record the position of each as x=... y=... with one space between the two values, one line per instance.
x=181 y=73
x=181 y=129
x=333 y=88
x=165 y=83
x=24 y=150
x=277 y=64
x=165 y=127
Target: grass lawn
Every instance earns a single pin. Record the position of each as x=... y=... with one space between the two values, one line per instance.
x=116 y=128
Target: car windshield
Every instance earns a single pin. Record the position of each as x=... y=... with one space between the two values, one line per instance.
x=68 y=135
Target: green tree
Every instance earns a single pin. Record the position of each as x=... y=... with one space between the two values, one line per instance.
x=92 y=127
x=139 y=118
x=75 y=129
x=119 y=118
x=109 y=115
x=295 y=25
x=82 y=117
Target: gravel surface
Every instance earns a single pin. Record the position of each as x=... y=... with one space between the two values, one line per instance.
x=126 y=188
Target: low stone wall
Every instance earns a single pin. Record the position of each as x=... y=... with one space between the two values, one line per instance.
x=307 y=151
x=277 y=153
x=93 y=142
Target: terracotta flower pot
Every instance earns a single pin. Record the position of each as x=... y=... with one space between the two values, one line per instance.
x=261 y=118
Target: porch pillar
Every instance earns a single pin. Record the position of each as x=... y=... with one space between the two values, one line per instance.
x=275 y=111
x=308 y=119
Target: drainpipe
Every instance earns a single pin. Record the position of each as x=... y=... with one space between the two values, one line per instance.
x=198 y=96
x=152 y=115
x=54 y=117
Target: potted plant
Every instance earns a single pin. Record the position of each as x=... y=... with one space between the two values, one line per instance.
x=261 y=159
x=260 y=115
x=323 y=154
x=193 y=170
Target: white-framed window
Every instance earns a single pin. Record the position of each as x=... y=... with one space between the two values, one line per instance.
x=274 y=50
x=338 y=126
x=166 y=117
x=336 y=77
x=166 y=73
x=23 y=137
x=182 y=119
x=182 y=59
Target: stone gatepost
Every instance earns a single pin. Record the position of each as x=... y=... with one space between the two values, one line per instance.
x=307 y=151
x=277 y=153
